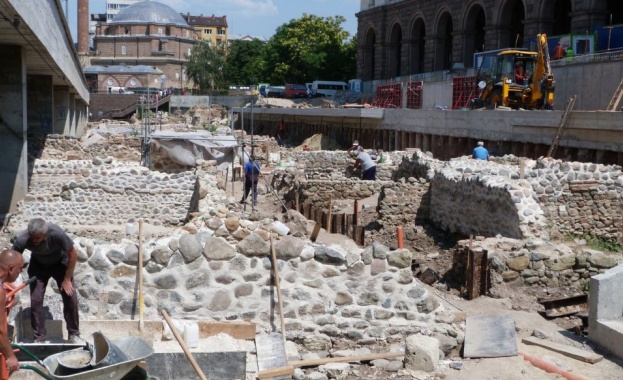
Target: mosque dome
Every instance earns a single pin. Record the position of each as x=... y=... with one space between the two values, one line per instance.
x=149 y=12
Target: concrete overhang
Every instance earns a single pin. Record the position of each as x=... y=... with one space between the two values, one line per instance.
x=40 y=28
x=365 y=113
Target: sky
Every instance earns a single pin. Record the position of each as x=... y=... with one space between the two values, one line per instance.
x=258 y=18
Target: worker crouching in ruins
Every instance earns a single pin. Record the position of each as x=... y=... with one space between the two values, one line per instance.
x=53 y=256
x=368 y=166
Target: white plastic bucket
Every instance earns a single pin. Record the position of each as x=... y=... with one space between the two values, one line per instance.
x=280 y=228
x=129 y=229
x=191 y=334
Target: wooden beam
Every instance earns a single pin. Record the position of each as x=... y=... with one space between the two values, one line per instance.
x=570 y=351
x=345 y=359
x=274 y=372
x=238 y=330
x=315 y=232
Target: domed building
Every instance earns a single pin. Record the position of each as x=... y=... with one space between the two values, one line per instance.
x=147 y=34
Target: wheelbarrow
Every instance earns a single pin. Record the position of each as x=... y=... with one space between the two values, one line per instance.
x=116 y=359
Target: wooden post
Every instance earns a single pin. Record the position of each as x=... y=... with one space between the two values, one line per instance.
x=140 y=275
x=399 y=234
x=226 y=177
x=296 y=201
x=276 y=272
x=355 y=212
x=521 y=168
x=329 y=213
x=267 y=155
x=315 y=232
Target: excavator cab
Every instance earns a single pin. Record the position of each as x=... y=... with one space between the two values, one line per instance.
x=516 y=78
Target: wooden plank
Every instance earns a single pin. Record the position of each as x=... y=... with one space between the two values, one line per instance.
x=359 y=235
x=274 y=372
x=238 y=330
x=329 y=214
x=339 y=224
x=315 y=232
x=307 y=210
x=570 y=351
x=490 y=336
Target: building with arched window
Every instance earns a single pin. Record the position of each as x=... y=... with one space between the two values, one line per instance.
x=405 y=37
x=146 y=34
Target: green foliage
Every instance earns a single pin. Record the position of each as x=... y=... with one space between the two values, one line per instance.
x=205 y=67
x=310 y=48
x=302 y=50
x=244 y=63
x=602 y=244
x=212 y=128
x=597 y=242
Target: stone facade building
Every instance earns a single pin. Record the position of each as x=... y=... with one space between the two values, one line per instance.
x=405 y=37
x=150 y=34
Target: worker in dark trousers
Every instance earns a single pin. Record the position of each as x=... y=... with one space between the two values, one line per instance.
x=251 y=177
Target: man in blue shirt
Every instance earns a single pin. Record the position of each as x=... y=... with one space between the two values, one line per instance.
x=251 y=176
x=480 y=152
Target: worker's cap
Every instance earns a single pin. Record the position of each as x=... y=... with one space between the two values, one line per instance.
x=355 y=143
x=480 y=143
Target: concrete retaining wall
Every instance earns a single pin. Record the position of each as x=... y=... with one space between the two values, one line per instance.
x=605 y=319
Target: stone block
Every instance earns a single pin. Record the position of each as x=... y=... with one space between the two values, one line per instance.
x=422 y=353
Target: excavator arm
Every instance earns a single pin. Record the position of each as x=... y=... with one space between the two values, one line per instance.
x=543 y=83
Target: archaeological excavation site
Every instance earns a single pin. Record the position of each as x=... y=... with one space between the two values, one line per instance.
x=441 y=267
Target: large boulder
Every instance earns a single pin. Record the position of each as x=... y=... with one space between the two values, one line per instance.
x=217 y=248
x=422 y=353
x=190 y=248
x=254 y=245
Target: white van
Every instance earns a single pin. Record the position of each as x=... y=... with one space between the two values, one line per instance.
x=328 y=88
x=119 y=90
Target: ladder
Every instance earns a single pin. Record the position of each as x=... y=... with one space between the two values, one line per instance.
x=616 y=98
x=561 y=127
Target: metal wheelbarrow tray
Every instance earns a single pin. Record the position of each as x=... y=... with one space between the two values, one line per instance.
x=134 y=347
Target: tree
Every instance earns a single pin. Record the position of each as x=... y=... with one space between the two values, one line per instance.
x=205 y=67
x=311 y=48
x=244 y=62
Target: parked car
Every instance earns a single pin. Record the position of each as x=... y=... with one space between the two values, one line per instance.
x=295 y=91
x=275 y=91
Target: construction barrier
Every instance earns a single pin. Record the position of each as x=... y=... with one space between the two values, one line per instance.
x=463 y=90
x=388 y=96
x=414 y=95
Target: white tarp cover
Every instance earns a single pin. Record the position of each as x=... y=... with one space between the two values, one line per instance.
x=185 y=148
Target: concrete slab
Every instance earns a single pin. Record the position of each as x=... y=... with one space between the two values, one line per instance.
x=605 y=308
x=490 y=336
x=214 y=365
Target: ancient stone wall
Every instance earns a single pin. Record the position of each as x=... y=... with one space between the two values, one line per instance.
x=223 y=272
x=539 y=263
x=318 y=192
x=333 y=165
x=580 y=198
x=106 y=192
x=403 y=203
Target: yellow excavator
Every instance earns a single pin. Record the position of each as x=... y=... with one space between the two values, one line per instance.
x=517 y=79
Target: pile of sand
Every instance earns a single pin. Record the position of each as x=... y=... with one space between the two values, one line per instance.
x=319 y=142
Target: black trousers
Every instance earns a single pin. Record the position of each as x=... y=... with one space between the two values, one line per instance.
x=37 y=292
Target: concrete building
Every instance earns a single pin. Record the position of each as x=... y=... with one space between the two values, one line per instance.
x=212 y=29
x=43 y=89
x=404 y=37
x=147 y=33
